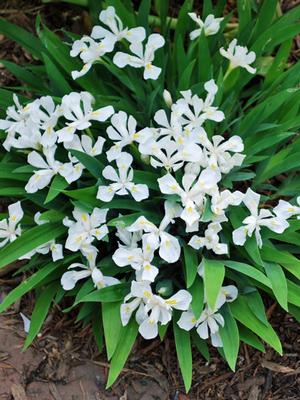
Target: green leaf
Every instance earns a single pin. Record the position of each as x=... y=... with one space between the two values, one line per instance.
x=248 y=337
x=143 y=14
x=241 y=311
x=264 y=18
x=214 y=272
x=244 y=13
x=85 y=195
x=112 y=326
x=12 y=191
x=58 y=184
x=23 y=74
x=94 y=166
x=29 y=284
x=40 y=312
x=60 y=54
x=248 y=270
x=200 y=344
x=293 y=293
x=184 y=353
x=197 y=291
x=279 y=284
x=204 y=58
x=148 y=178
x=184 y=81
x=129 y=219
x=256 y=305
x=230 y=337
x=21 y=36
x=287 y=260
x=162 y=330
x=190 y=264
x=108 y=294
x=98 y=330
x=58 y=83
x=127 y=339
x=29 y=241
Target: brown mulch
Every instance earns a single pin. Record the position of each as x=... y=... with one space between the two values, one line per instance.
x=64 y=363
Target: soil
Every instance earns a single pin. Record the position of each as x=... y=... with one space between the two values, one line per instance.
x=64 y=365
x=64 y=362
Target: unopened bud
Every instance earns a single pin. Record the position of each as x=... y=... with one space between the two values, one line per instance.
x=167 y=98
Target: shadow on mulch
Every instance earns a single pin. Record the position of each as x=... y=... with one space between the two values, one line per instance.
x=67 y=365
x=64 y=363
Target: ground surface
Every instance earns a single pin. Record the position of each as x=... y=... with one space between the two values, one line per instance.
x=64 y=363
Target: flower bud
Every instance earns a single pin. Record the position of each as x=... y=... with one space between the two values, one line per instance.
x=164 y=288
x=167 y=98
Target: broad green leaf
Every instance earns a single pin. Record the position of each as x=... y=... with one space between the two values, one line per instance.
x=30 y=240
x=85 y=313
x=184 y=353
x=23 y=37
x=230 y=337
x=23 y=74
x=278 y=281
x=85 y=195
x=58 y=184
x=293 y=293
x=197 y=291
x=162 y=330
x=256 y=305
x=295 y=312
x=60 y=54
x=98 y=330
x=129 y=219
x=58 y=83
x=148 y=178
x=248 y=337
x=94 y=166
x=40 y=312
x=112 y=326
x=108 y=294
x=12 y=191
x=214 y=272
x=248 y=270
x=143 y=14
x=29 y=284
x=87 y=287
x=287 y=260
x=191 y=264
x=200 y=344
x=244 y=13
x=127 y=339
x=205 y=62
x=184 y=81
x=266 y=13
x=241 y=311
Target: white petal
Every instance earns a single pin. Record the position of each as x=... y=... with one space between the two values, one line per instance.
x=202 y=330
x=151 y=71
x=148 y=329
x=187 y=321
x=239 y=236
x=169 y=249
x=105 y=193
x=169 y=185
x=102 y=114
x=180 y=301
x=139 y=192
x=70 y=278
x=15 y=212
x=37 y=160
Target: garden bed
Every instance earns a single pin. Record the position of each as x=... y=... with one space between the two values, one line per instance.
x=65 y=366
